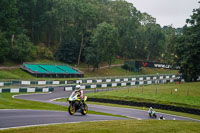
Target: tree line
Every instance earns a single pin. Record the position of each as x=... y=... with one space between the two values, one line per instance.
x=90 y=31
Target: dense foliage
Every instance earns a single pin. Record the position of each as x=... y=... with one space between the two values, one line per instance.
x=188 y=48
x=93 y=31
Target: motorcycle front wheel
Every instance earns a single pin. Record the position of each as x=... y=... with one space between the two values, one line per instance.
x=71 y=109
x=84 y=109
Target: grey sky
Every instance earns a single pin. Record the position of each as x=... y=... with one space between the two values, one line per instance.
x=167 y=12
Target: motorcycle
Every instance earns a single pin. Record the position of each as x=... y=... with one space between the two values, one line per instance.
x=77 y=104
x=152 y=114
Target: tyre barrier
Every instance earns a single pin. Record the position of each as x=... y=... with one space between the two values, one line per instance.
x=144 y=104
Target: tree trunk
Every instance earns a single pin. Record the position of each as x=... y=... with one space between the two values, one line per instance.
x=80 y=51
x=148 y=56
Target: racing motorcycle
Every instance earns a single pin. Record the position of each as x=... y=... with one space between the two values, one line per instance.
x=76 y=104
x=152 y=114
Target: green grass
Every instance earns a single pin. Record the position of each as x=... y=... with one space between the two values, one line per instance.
x=17 y=73
x=163 y=95
x=118 y=71
x=7 y=102
x=120 y=126
x=114 y=71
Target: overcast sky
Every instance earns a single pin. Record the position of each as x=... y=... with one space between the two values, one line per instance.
x=167 y=12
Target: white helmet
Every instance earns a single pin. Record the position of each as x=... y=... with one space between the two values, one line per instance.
x=78 y=86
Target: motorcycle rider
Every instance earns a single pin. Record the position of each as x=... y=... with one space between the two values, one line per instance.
x=79 y=92
x=150 y=110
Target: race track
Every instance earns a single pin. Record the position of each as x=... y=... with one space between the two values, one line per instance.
x=19 y=117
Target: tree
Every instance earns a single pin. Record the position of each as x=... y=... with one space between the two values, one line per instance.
x=154 y=38
x=188 y=48
x=104 y=45
x=8 y=18
x=21 y=49
x=4 y=47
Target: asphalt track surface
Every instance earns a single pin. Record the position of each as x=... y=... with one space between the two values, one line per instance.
x=23 y=118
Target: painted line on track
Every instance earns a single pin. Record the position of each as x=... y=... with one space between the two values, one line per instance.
x=29 y=94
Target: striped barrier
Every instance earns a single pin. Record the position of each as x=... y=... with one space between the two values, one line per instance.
x=90 y=81
x=118 y=84
x=31 y=89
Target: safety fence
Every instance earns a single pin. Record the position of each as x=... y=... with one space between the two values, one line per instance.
x=133 y=82
x=88 y=81
x=27 y=90
x=92 y=83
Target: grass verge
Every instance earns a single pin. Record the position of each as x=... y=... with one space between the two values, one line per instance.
x=120 y=126
x=187 y=94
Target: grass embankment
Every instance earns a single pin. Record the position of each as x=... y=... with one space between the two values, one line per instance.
x=118 y=71
x=17 y=73
x=7 y=102
x=187 y=94
x=121 y=126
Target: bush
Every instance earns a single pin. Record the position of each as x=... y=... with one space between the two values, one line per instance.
x=43 y=53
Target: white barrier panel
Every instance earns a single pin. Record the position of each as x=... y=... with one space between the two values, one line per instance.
x=30 y=89
x=65 y=82
x=114 y=84
x=132 y=83
x=141 y=82
x=68 y=88
x=171 y=80
x=41 y=82
x=79 y=81
x=93 y=86
x=182 y=80
x=148 y=78
x=14 y=90
x=89 y=81
x=0 y=90
x=108 y=80
x=173 y=76
x=133 y=79
x=154 y=77
x=141 y=78
x=104 y=85
x=1 y=83
x=45 y=90
x=117 y=80
x=161 y=77
x=99 y=81
x=82 y=87
x=126 y=79
x=123 y=84
x=56 y=82
x=25 y=82
x=167 y=77
x=149 y=82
